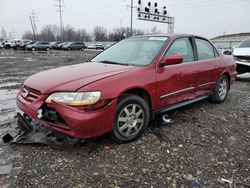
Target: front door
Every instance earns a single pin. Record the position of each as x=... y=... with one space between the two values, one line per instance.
x=177 y=83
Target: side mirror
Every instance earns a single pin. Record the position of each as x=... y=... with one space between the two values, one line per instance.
x=172 y=59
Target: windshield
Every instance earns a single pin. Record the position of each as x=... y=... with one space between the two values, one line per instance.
x=135 y=51
x=245 y=44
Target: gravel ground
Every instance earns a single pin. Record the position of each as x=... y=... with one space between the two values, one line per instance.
x=204 y=142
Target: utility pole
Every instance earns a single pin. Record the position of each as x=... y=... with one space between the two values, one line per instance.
x=131 y=22
x=60 y=6
x=32 y=26
x=34 y=20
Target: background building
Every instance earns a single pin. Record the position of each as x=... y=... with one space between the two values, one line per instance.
x=229 y=41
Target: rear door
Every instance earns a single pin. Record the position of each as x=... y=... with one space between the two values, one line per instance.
x=176 y=83
x=208 y=64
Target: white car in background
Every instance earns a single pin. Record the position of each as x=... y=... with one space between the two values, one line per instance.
x=241 y=54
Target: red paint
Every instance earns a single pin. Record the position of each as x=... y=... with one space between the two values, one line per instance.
x=115 y=80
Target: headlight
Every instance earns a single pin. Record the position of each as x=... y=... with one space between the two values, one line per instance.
x=75 y=98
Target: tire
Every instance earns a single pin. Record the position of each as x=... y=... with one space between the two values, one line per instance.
x=82 y=49
x=47 y=49
x=69 y=49
x=131 y=119
x=33 y=49
x=221 y=90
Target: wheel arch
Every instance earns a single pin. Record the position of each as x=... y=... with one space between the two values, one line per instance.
x=228 y=77
x=139 y=92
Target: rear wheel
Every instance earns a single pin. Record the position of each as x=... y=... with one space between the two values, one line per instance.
x=69 y=49
x=33 y=49
x=48 y=49
x=221 y=90
x=131 y=119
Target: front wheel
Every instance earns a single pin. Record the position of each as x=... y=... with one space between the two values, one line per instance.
x=221 y=90
x=131 y=119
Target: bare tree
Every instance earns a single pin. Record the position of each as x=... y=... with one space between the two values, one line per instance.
x=49 y=33
x=28 y=35
x=100 y=34
x=123 y=32
x=3 y=34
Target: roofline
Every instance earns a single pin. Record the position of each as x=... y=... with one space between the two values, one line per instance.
x=228 y=35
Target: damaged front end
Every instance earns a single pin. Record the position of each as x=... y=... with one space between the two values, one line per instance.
x=243 y=64
x=78 y=122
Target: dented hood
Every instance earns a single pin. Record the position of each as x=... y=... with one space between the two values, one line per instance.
x=71 y=78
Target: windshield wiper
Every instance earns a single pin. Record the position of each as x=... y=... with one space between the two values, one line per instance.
x=113 y=62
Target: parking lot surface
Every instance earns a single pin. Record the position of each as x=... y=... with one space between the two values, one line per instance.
x=204 y=144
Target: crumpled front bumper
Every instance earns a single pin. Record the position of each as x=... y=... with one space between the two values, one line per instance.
x=77 y=123
x=242 y=66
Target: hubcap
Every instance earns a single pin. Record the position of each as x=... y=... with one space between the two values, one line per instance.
x=223 y=89
x=130 y=120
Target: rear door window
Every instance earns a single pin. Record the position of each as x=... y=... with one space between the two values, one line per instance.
x=204 y=49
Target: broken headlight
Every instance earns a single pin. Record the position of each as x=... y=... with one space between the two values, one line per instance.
x=75 y=98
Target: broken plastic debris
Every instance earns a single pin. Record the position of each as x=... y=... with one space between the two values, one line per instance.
x=166 y=119
x=7 y=138
x=5 y=169
x=222 y=180
x=167 y=152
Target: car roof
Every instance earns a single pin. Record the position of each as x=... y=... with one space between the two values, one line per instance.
x=174 y=35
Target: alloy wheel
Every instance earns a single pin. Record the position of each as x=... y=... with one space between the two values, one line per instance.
x=131 y=120
x=223 y=88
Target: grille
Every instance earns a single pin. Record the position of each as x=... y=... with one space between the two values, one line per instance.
x=29 y=94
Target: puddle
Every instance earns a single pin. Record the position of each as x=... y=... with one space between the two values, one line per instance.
x=8 y=107
x=9 y=84
x=29 y=59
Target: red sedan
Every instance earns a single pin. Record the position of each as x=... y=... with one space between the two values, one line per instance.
x=122 y=88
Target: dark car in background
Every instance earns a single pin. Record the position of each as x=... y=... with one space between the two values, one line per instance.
x=55 y=45
x=40 y=45
x=24 y=43
x=74 y=46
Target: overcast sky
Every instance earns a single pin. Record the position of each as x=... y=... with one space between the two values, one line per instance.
x=208 y=18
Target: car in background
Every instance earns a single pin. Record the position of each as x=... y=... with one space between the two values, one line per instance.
x=241 y=54
x=55 y=45
x=99 y=46
x=120 y=90
x=12 y=43
x=39 y=45
x=107 y=46
x=60 y=45
x=23 y=43
x=74 y=46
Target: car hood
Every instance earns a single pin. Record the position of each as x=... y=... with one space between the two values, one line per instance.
x=74 y=77
x=241 y=52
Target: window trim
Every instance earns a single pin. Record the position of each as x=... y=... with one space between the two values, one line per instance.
x=216 y=53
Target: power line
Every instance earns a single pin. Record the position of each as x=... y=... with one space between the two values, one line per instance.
x=60 y=10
